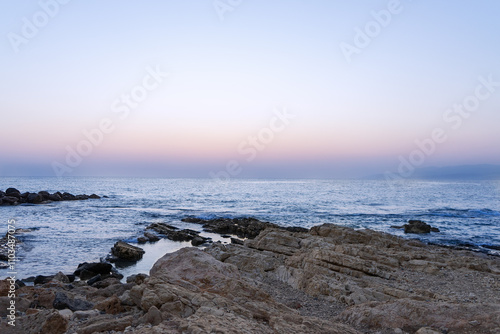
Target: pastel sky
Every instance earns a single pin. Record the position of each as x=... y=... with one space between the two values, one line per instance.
x=363 y=80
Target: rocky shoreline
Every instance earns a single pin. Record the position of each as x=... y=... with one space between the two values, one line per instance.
x=12 y=196
x=328 y=279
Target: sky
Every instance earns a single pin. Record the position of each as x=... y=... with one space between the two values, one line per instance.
x=239 y=88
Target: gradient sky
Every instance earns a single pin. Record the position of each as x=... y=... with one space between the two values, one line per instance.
x=226 y=77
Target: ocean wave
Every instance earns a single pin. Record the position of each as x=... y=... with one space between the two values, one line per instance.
x=463 y=213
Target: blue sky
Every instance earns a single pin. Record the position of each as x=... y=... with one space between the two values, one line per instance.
x=227 y=77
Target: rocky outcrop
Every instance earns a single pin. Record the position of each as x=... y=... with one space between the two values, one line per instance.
x=123 y=251
x=12 y=196
x=331 y=279
x=241 y=227
x=417 y=227
x=174 y=234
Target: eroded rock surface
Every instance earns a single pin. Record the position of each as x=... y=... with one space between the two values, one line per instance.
x=330 y=279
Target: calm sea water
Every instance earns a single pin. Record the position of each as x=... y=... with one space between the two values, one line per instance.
x=68 y=233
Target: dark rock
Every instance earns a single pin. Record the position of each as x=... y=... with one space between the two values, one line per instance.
x=237 y=241
x=417 y=227
x=198 y=241
x=62 y=301
x=13 y=192
x=297 y=229
x=142 y=240
x=86 y=274
x=68 y=197
x=54 y=197
x=192 y=220
x=105 y=196
x=2 y=194
x=242 y=227
x=81 y=197
x=125 y=251
x=151 y=237
x=225 y=236
x=172 y=232
x=34 y=198
x=94 y=196
x=94 y=279
x=41 y=279
x=19 y=284
x=94 y=267
x=9 y=200
x=435 y=229
x=45 y=195
x=71 y=277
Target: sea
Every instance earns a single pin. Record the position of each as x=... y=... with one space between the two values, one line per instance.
x=64 y=234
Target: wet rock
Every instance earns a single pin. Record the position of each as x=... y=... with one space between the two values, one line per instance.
x=54 y=197
x=68 y=197
x=94 y=268
x=142 y=240
x=13 y=192
x=242 y=227
x=151 y=237
x=94 y=196
x=197 y=241
x=9 y=200
x=418 y=227
x=127 y=252
x=172 y=232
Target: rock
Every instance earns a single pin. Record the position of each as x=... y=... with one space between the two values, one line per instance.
x=428 y=330
x=172 y=232
x=10 y=200
x=94 y=279
x=106 y=325
x=127 y=252
x=242 y=227
x=45 y=195
x=191 y=220
x=68 y=197
x=54 y=197
x=142 y=240
x=153 y=316
x=151 y=237
x=41 y=279
x=85 y=314
x=111 y=305
x=61 y=277
x=417 y=227
x=12 y=192
x=137 y=278
x=66 y=313
x=94 y=268
x=197 y=241
x=94 y=196
x=44 y=322
x=237 y=241
x=62 y=301
x=34 y=199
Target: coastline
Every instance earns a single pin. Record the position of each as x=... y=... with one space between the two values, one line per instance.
x=330 y=279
